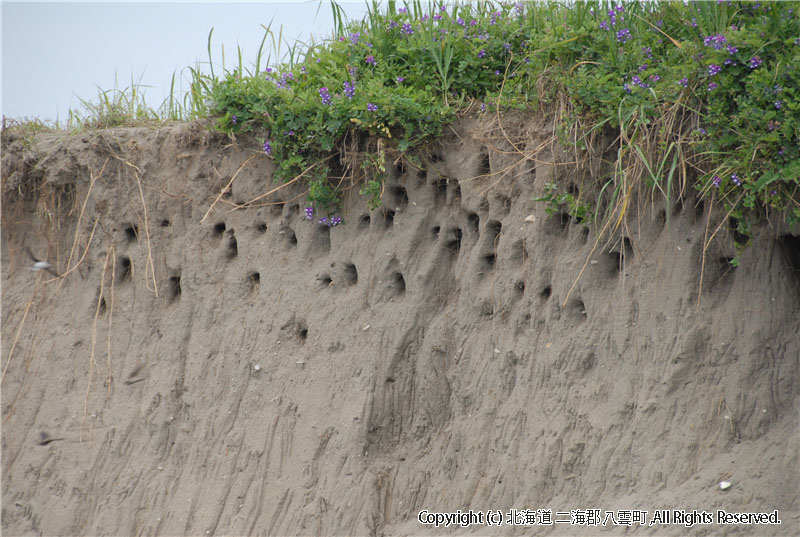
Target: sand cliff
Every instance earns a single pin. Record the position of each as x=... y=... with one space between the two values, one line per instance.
x=217 y=364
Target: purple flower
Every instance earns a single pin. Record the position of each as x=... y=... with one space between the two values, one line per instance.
x=655 y=78
x=507 y=46
x=400 y=79
x=234 y=119
x=349 y=89
x=623 y=35
x=336 y=220
x=713 y=69
x=323 y=220
x=325 y=96
x=289 y=133
x=754 y=62
x=437 y=17
x=267 y=148
x=371 y=107
x=797 y=41
x=483 y=107
x=716 y=180
x=642 y=67
x=309 y=213
x=370 y=59
x=604 y=25
x=736 y=180
x=712 y=86
x=482 y=53
x=407 y=29
x=402 y=10
x=778 y=105
x=648 y=52
x=354 y=37
x=627 y=87
x=732 y=50
x=729 y=61
x=702 y=131
x=303 y=69
x=684 y=82
x=460 y=21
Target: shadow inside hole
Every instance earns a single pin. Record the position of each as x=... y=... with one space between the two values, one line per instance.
x=520 y=287
x=350 y=274
x=388 y=218
x=436 y=156
x=291 y=237
x=398 y=283
x=165 y=223
x=219 y=228
x=494 y=228
x=400 y=167
x=363 y=221
x=255 y=279
x=557 y=223
x=453 y=244
x=546 y=292
x=576 y=309
x=233 y=247
x=175 y=288
x=101 y=306
x=489 y=261
x=474 y=222
x=125 y=269
x=399 y=197
x=435 y=231
x=440 y=190
x=132 y=232
x=485 y=165
x=262 y=227
x=302 y=334
x=325 y=281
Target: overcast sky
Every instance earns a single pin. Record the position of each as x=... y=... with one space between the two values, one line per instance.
x=56 y=52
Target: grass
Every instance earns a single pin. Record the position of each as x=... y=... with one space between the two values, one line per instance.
x=698 y=96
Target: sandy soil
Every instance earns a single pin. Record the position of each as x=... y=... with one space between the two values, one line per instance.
x=213 y=369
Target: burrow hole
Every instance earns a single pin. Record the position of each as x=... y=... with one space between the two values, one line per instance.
x=262 y=227
x=254 y=279
x=165 y=223
x=125 y=269
x=291 y=237
x=474 y=222
x=233 y=247
x=363 y=221
x=174 y=288
x=301 y=330
x=790 y=245
x=350 y=274
x=488 y=261
x=577 y=309
x=520 y=287
x=388 y=218
x=435 y=230
x=440 y=190
x=399 y=197
x=494 y=228
x=325 y=281
x=485 y=165
x=276 y=208
x=132 y=232
x=546 y=292
x=436 y=156
x=400 y=167
x=453 y=244
x=398 y=283
x=219 y=228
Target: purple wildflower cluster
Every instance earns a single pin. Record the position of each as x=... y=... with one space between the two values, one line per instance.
x=716 y=180
x=267 y=147
x=325 y=221
x=371 y=107
x=349 y=89
x=716 y=41
x=325 y=96
x=370 y=60
x=623 y=35
x=754 y=62
x=736 y=180
x=234 y=119
x=406 y=29
x=283 y=81
x=713 y=69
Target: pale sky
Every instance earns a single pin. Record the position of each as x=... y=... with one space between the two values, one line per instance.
x=55 y=52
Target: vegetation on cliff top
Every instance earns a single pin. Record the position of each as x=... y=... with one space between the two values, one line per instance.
x=702 y=95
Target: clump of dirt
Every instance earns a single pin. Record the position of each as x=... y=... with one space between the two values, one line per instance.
x=208 y=361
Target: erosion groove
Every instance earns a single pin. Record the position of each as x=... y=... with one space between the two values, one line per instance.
x=446 y=351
